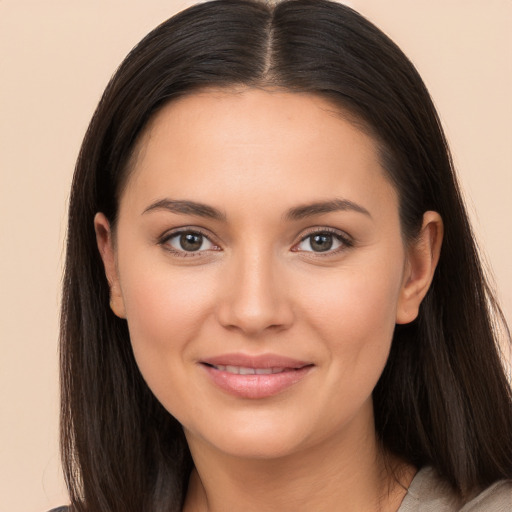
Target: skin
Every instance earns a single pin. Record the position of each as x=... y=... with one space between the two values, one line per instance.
x=258 y=285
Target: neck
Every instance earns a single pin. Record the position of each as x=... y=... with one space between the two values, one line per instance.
x=350 y=472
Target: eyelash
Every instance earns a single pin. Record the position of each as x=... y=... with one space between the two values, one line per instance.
x=344 y=239
x=164 y=242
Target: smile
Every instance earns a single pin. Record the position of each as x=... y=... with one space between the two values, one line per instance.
x=241 y=370
x=255 y=377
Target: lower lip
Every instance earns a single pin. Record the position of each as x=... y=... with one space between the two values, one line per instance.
x=256 y=386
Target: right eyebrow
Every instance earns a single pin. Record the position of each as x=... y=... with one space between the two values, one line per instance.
x=321 y=207
x=186 y=208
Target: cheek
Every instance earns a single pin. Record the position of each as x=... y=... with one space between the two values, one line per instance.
x=354 y=312
x=165 y=309
x=159 y=308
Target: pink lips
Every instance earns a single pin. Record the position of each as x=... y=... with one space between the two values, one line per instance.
x=255 y=376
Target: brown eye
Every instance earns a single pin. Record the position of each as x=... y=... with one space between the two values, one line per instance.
x=323 y=241
x=189 y=241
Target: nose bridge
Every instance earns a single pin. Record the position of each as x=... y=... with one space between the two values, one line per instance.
x=254 y=297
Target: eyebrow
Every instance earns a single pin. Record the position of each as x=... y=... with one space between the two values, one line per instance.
x=318 y=208
x=186 y=208
x=296 y=213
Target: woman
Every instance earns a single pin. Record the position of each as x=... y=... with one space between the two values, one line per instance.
x=272 y=298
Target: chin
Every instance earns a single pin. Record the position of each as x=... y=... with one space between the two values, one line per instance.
x=251 y=438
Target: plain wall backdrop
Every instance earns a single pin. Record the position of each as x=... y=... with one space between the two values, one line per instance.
x=56 y=57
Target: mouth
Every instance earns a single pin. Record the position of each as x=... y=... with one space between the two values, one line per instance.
x=245 y=370
x=255 y=377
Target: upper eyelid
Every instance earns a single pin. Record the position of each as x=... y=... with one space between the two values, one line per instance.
x=186 y=229
x=324 y=229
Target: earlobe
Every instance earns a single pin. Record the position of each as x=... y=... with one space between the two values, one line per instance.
x=422 y=258
x=106 y=248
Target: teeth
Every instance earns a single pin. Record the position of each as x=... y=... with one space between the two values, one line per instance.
x=241 y=370
x=263 y=371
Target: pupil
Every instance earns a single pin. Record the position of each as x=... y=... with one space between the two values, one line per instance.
x=191 y=241
x=321 y=243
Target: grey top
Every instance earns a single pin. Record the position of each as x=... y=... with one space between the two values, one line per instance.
x=428 y=493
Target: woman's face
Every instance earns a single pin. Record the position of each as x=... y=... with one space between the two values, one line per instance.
x=259 y=262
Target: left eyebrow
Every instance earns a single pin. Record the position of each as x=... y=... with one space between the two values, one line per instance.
x=318 y=208
x=186 y=208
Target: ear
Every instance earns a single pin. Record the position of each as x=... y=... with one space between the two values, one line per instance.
x=105 y=242
x=422 y=258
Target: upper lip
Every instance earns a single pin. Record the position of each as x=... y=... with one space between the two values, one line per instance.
x=255 y=361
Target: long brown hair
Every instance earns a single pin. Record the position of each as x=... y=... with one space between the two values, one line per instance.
x=443 y=399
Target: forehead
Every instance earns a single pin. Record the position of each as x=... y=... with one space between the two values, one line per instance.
x=218 y=141
x=255 y=114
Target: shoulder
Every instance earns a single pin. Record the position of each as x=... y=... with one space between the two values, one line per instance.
x=496 y=498
x=429 y=493
x=59 y=509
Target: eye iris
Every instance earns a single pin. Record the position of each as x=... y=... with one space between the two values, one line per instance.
x=191 y=241
x=321 y=243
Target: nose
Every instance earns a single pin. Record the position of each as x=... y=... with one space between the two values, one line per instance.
x=254 y=298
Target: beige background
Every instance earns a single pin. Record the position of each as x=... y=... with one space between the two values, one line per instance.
x=56 y=56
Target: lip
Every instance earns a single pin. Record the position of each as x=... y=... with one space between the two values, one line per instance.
x=255 y=386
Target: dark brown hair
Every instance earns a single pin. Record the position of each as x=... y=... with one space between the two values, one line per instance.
x=443 y=399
